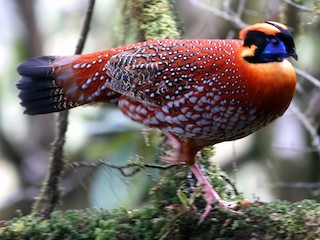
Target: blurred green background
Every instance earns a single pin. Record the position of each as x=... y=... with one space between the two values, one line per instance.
x=280 y=161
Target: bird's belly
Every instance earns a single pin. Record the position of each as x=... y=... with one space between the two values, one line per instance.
x=202 y=120
x=224 y=125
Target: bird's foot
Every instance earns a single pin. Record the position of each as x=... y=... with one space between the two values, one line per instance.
x=211 y=196
x=230 y=206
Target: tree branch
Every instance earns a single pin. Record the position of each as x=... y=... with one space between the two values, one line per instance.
x=50 y=192
x=135 y=166
x=300 y=7
x=308 y=77
x=85 y=28
x=308 y=126
x=227 y=14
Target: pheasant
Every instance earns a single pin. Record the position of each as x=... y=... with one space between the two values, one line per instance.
x=198 y=92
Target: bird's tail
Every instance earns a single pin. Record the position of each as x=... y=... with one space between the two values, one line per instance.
x=54 y=83
x=39 y=92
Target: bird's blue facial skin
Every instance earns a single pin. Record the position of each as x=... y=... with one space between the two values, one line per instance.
x=274 y=51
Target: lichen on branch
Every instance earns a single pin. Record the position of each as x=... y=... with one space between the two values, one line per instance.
x=151 y=19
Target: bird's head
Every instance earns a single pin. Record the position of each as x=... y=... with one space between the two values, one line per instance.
x=267 y=42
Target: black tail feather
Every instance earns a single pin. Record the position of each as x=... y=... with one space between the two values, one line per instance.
x=37 y=67
x=39 y=92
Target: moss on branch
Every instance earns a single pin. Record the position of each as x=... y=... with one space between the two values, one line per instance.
x=151 y=19
x=170 y=215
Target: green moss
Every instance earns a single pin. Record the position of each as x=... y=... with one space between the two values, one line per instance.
x=150 y=19
x=167 y=216
x=299 y=220
x=158 y=20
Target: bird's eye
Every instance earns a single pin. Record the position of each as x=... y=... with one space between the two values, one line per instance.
x=275 y=42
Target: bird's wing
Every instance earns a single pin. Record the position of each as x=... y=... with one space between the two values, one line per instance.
x=144 y=75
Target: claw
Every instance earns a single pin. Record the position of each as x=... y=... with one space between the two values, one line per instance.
x=211 y=196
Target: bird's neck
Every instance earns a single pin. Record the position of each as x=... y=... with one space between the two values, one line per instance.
x=273 y=83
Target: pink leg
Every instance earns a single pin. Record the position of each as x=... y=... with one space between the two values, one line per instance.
x=173 y=140
x=210 y=195
x=172 y=157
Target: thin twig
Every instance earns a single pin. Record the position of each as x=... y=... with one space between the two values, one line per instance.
x=308 y=77
x=298 y=149
x=50 y=194
x=137 y=167
x=292 y=185
x=102 y=162
x=308 y=126
x=299 y=7
x=241 y=8
x=233 y=18
x=233 y=186
x=85 y=28
x=134 y=167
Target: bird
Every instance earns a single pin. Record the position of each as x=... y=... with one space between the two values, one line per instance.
x=198 y=92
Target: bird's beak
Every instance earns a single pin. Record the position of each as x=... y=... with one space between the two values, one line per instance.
x=293 y=54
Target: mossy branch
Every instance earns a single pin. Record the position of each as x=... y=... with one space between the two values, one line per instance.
x=172 y=215
x=151 y=19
